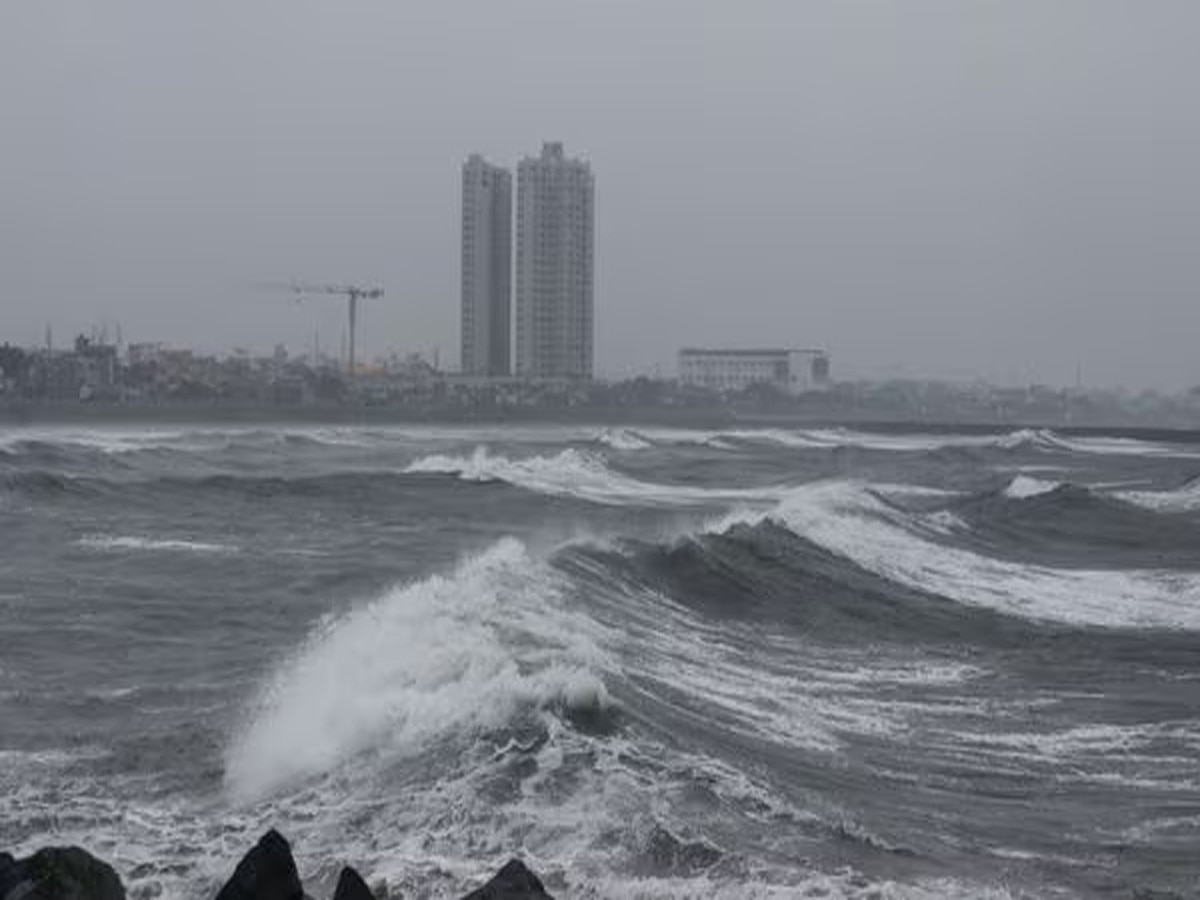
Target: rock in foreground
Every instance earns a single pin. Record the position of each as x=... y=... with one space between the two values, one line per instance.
x=513 y=882
x=267 y=872
x=350 y=886
x=58 y=873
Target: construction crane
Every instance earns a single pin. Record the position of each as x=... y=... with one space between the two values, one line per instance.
x=352 y=293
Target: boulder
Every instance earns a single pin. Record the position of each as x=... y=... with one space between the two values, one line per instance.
x=58 y=873
x=350 y=886
x=267 y=872
x=10 y=874
x=513 y=882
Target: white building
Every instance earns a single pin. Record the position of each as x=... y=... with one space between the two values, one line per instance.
x=486 y=268
x=554 y=266
x=793 y=371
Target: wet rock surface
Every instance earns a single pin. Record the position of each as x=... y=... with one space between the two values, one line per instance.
x=58 y=873
x=267 y=872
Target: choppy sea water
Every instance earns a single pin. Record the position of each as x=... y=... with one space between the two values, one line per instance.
x=657 y=663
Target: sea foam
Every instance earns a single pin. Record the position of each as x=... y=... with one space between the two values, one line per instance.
x=443 y=655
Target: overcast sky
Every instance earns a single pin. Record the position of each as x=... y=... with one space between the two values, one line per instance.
x=994 y=188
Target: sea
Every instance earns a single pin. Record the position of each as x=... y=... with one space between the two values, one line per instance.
x=651 y=662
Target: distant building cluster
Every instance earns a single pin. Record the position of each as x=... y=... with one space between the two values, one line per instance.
x=554 y=274
x=94 y=373
x=93 y=370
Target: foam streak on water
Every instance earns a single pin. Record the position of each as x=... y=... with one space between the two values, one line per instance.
x=105 y=542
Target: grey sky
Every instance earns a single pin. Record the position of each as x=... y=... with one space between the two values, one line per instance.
x=1002 y=188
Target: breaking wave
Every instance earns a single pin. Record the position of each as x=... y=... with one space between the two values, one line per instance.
x=574 y=473
x=1181 y=500
x=1041 y=440
x=1023 y=487
x=440 y=656
x=622 y=439
x=848 y=519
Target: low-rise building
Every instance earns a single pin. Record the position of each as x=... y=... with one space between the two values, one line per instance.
x=732 y=370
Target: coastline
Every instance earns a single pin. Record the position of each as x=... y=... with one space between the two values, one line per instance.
x=72 y=413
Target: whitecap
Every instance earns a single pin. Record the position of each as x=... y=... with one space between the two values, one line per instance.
x=846 y=518
x=622 y=439
x=575 y=473
x=1023 y=487
x=118 y=543
x=1185 y=499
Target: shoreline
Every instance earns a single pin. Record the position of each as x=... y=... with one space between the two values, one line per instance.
x=185 y=414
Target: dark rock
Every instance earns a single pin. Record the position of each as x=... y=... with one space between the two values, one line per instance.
x=59 y=873
x=10 y=874
x=350 y=886
x=267 y=872
x=513 y=882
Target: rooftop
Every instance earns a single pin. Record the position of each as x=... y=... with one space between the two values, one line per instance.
x=757 y=353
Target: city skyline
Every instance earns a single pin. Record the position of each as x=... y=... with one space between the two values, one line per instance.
x=951 y=191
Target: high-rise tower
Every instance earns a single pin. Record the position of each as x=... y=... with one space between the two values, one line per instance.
x=486 y=268
x=554 y=274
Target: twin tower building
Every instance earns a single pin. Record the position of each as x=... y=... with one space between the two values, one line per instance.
x=553 y=273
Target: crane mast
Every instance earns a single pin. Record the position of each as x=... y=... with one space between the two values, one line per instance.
x=353 y=293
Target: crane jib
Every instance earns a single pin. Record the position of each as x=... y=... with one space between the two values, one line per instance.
x=352 y=293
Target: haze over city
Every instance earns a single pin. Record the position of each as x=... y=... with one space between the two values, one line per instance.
x=926 y=189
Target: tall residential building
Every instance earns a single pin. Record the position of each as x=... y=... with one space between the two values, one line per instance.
x=554 y=266
x=486 y=268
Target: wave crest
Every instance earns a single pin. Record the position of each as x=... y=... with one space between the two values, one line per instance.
x=622 y=439
x=574 y=473
x=1183 y=500
x=439 y=657
x=1022 y=487
x=848 y=519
